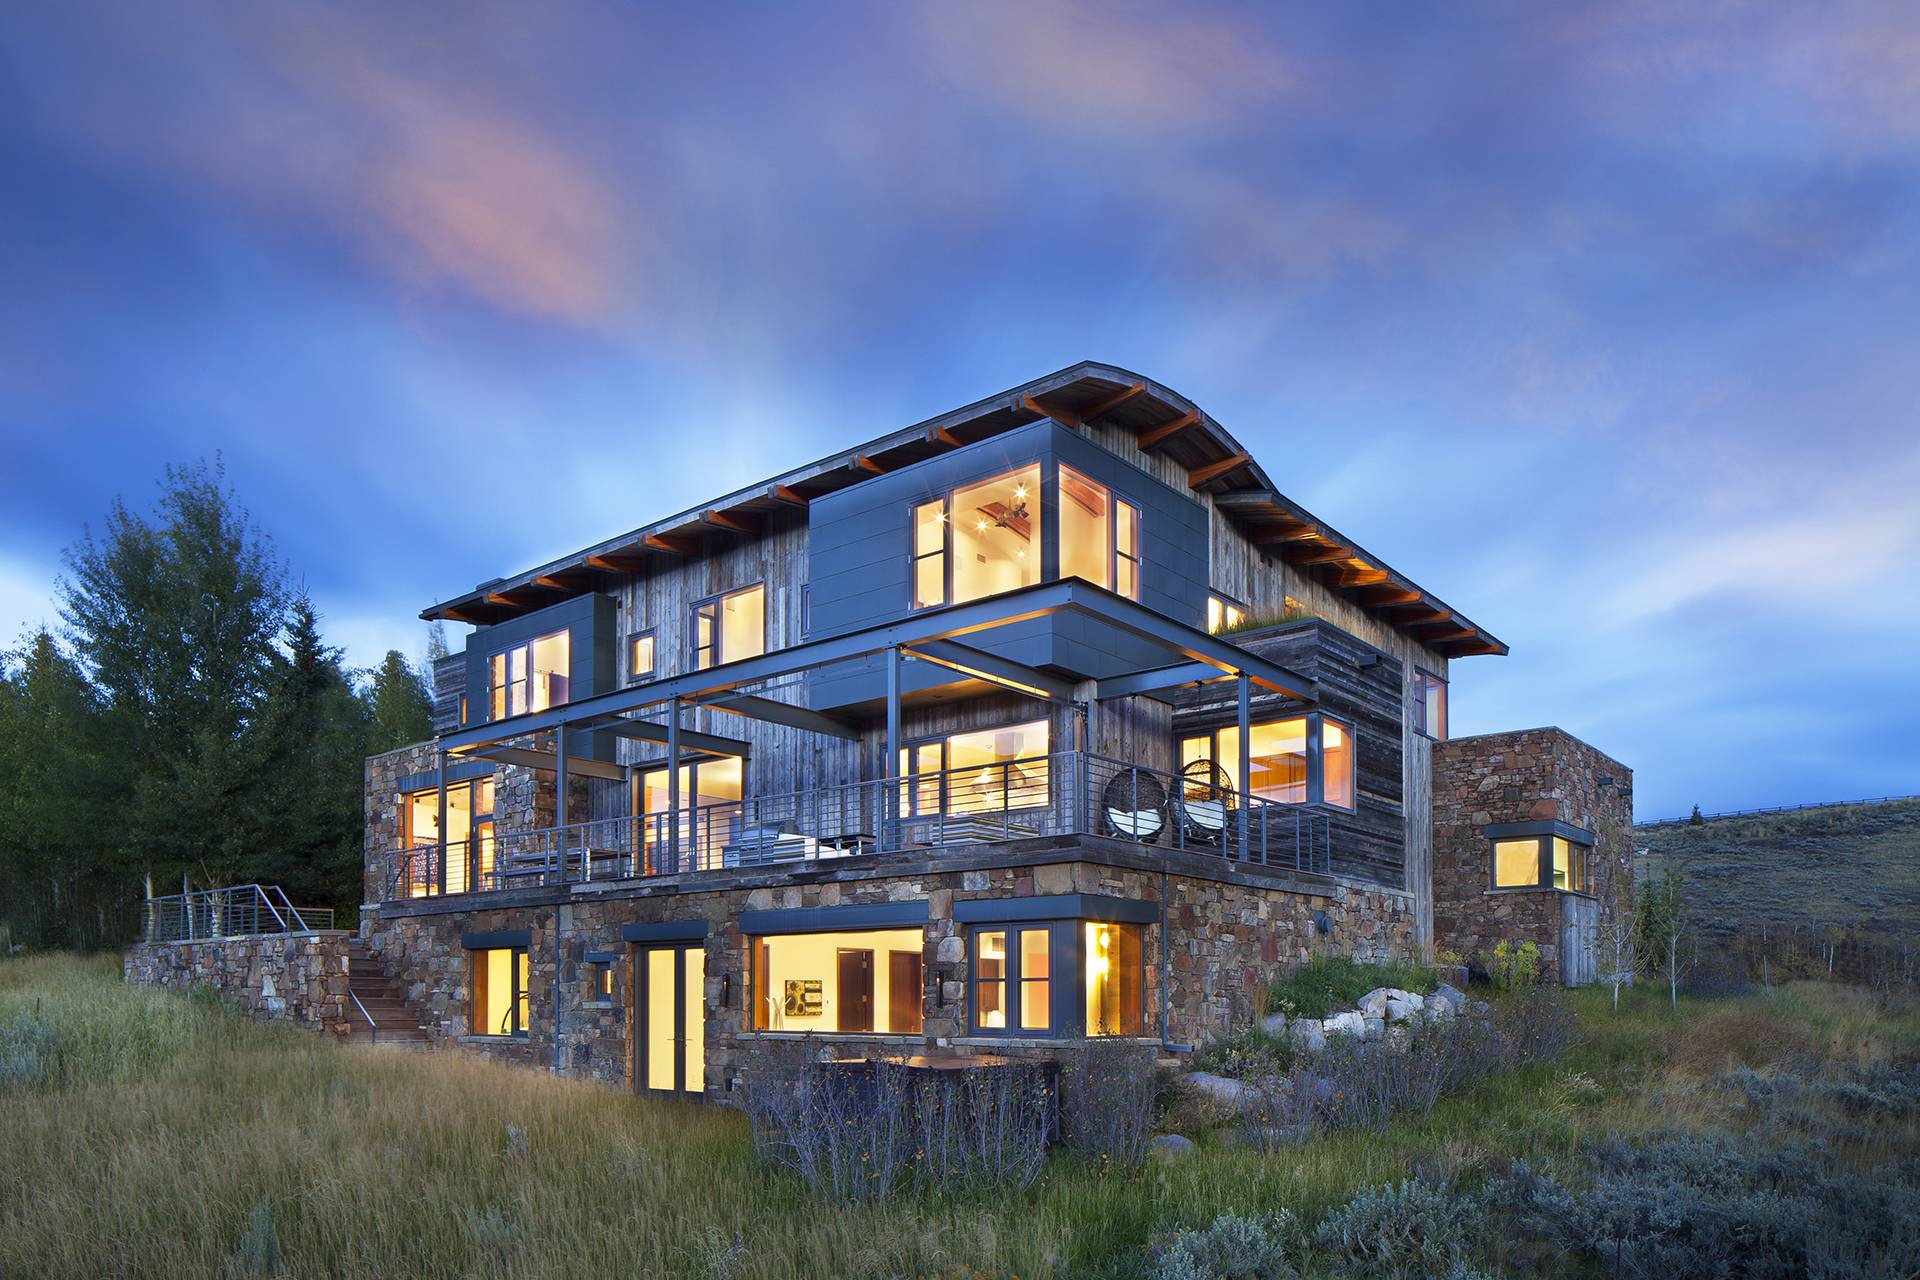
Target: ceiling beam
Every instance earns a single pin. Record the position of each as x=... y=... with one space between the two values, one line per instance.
x=1153 y=436
x=1214 y=470
x=586 y=766
x=1095 y=412
x=942 y=436
x=690 y=739
x=1157 y=680
x=1326 y=555
x=1289 y=533
x=758 y=708
x=989 y=666
x=494 y=597
x=792 y=497
x=1249 y=499
x=1060 y=416
x=733 y=524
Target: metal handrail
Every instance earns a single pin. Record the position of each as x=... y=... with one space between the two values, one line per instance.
x=235 y=911
x=373 y=1028
x=1047 y=795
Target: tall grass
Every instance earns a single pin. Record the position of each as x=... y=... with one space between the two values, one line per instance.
x=1326 y=984
x=171 y=1121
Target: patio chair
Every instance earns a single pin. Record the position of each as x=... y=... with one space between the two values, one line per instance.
x=1206 y=801
x=1135 y=803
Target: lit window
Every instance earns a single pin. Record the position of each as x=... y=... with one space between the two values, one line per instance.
x=640 y=656
x=979 y=541
x=1099 y=535
x=469 y=854
x=529 y=677
x=1278 y=757
x=986 y=771
x=1113 y=979
x=1013 y=976
x=1336 y=763
x=1223 y=615
x=1429 y=704
x=600 y=981
x=499 y=991
x=930 y=554
x=1516 y=863
x=729 y=628
x=709 y=814
x=1569 y=866
x=870 y=981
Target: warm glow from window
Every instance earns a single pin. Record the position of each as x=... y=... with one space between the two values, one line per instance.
x=869 y=981
x=1035 y=980
x=469 y=834
x=1113 y=978
x=709 y=811
x=991 y=770
x=1086 y=529
x=640 y=656
x=498 y=1001
x=996 y=534
x=1569 y=866
x=930 y=554
x=1223 y=614
x=1429 y=704
x=990 y=979
x=730 y=628
x=1516 y=863
x=529 y=677
x=1336 y=762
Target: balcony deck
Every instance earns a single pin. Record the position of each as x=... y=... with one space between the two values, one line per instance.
x=1070 y=793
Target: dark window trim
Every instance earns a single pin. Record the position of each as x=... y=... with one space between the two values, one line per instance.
x=486 y=664
x=498 y=940
x=634 y=637
x=1420 y=725
x=518 y=953
x=720 y=657
x=1554 y=827
x=1049 y=533
x=1316 y=755
x=874 y=915
x=600 y=957
x=665 y=931
x=1114 y=496
x=1543 y=837
x=1062 y=906
x=1060 y=959
x=462 y=771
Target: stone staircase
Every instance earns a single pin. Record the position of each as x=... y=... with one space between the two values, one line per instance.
x=384 y=1002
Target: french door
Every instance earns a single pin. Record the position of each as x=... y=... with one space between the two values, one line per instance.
x=670 y=1019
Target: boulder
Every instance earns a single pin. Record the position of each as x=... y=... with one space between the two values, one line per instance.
x=1399 y=1010
x=1372 y=1028
x=1274 y=1024
x=1451 y=996
x=1308 y=1034
x=1437 y=1011
x=1169 y=1146
x=1374 y=1003
x=1348 y=1023
x=1221 y=1089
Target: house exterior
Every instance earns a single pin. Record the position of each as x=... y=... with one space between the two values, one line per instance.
x=1047 y=719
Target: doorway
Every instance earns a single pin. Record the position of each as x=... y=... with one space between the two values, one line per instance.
x=670 y=1019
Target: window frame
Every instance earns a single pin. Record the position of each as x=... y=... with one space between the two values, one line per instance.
x=519 y=1004
x=599 y=981
x=717 y=604
x=634 y=638
x=1227 y=604
x=908 y=777
x=478 y=820
x=1422 y=681
x=499 y=690
x=1113 y=553
x=1316 y=757
x=1581 y=858
x=1066 y=978
x=756 y=947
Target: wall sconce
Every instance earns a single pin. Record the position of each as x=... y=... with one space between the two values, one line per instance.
x=726 y=991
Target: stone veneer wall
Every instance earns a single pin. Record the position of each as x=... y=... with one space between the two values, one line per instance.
x=299 y=977
x=1226 y=938
x=1528 y=775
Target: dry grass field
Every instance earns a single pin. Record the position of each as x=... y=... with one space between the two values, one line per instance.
x=148 y=1134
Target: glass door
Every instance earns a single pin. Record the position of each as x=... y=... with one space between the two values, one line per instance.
x=670 y=1019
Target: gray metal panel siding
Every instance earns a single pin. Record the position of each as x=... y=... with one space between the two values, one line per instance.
x=591 y=623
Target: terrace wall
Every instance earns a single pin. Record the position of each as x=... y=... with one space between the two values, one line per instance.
x=299 y=978
x=1224 y=939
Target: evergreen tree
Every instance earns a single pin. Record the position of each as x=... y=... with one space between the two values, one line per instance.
x=63 y=882
x=174 y=622
x=398 y=704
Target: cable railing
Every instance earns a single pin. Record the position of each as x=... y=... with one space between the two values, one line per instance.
x=1065 y=793
x=236 y=911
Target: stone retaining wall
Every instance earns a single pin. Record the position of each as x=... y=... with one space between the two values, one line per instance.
x=298 y=977
x=1226 y=938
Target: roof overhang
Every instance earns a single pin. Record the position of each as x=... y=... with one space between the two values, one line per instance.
x=1162 y=422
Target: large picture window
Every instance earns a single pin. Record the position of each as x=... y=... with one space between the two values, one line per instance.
x=730 y=627
x=1039 y=979
x=528 y=677
x=1546 y=860
x=469 y=861
x=984 y=771
x=1281 y=759
x=499 y=991
x=866 y=982
x=1099 y=535
x=979 y=540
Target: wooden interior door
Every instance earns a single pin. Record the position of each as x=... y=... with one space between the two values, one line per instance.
x=905 y=993
x=855 y=989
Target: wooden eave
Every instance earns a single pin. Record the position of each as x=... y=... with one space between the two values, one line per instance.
x=1158 y=417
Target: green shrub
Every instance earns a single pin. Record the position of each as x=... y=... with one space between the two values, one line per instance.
x=1230 y=1248
x=1247 y=1054
x=1514 y=966
x=258 y=1253
x=1327 y=984
x=1409 y=1229
x=27 y=1052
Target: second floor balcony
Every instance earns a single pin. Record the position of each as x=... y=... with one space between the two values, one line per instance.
x=1067 y=793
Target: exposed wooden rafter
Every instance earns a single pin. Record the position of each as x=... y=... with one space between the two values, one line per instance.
x=861 y=462
x=731 y=523
x=1094 y=412
x=1325 y=555
x=613 y=562
x=1214 y=470
x=494 y=597
x=654 y=542
x=463 y=615
x=942 y=437
x=1061 y=416
x=791 y=497
x=1153 y=436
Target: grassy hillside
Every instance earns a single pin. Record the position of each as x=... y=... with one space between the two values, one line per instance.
x=160 y=1135
x=1851 y=866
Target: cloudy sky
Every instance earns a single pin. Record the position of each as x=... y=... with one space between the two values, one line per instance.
x=1598 y=320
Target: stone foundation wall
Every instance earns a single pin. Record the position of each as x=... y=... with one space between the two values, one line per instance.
x=299 y=978
x=1530 y=775
x=1225 y=939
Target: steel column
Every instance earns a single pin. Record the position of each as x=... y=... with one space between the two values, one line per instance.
x=1244 y=688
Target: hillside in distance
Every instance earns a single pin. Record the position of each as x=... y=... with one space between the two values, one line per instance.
x=1851 y=866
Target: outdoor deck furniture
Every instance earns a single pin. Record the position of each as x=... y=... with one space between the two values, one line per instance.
x=1205 y=800
x=1134 y=801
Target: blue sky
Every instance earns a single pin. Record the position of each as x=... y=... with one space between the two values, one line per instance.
x=1597 y=320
